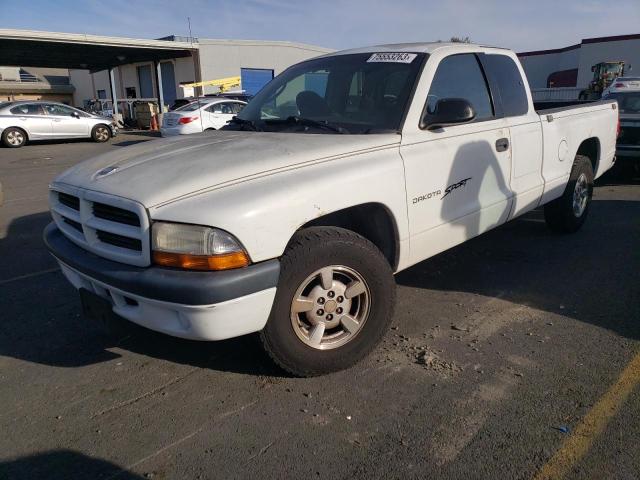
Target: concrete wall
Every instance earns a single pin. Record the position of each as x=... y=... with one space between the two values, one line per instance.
x=539 y=67
x=218 y=59
x=592 y=53
x=50 y=84
x=126 y=76
x=225 y=58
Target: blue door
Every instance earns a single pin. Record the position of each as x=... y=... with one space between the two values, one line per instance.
x=168 y=82
x=253 y=79
x=144 y=79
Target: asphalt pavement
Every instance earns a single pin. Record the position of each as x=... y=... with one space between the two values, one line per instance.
x=514 y=355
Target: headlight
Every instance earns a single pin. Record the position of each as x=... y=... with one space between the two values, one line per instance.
x=195 y=247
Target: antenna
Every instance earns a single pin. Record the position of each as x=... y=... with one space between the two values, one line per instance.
x=190 y=34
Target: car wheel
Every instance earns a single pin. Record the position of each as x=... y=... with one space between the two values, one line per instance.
x=14 y=137
x=567 y=213
x=334 y=302
x=100 y=133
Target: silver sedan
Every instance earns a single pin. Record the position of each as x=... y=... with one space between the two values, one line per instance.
x=23 y=121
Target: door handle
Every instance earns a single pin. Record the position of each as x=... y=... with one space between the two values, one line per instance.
x=56 y=119
x=502 y=144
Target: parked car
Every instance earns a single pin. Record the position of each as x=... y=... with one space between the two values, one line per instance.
x=623 y=84
x=25 y=121
x=628 y=145
x=200 y=115
x=292 y=224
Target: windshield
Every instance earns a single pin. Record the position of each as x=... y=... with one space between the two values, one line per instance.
x=628 y=102
x=356 y=93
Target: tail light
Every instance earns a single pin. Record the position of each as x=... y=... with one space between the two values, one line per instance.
x=619 y=129
x=618 y=85
x=185 y=120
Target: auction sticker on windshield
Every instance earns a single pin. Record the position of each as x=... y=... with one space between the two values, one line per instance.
x=392 y=57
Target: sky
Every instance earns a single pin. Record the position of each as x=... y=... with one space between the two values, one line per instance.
x=521 y=25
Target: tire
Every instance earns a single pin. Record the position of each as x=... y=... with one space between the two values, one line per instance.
x=362 y=283
x=14 y=137
x=100 y=133
x=567 y=213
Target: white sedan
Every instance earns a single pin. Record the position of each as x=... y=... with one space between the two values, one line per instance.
x=623 y=84
x=200 y=115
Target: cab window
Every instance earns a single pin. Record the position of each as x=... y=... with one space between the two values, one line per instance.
x=512 y=91
x=460 y=76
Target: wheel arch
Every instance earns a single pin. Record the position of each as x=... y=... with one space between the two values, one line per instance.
x=22 y=129
x=374 y=221
x=590 y=148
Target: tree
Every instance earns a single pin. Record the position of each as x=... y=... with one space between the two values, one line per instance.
x=460 y=39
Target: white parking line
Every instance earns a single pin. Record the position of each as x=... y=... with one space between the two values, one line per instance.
x=29 y=275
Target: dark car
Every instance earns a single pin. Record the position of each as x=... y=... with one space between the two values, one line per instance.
x=628 y=144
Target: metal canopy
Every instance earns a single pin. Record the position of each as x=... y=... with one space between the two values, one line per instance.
x=91 y=52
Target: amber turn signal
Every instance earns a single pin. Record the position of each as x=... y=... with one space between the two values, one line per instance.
x=225 y=261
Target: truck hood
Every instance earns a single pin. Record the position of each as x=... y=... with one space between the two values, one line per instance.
x=160 y=171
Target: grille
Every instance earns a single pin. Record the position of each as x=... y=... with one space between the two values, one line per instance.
x=115 y=214
x=119 y=240
x=108 y=226
x=72 y=224
x=69 y=201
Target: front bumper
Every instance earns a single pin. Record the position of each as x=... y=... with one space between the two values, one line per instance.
x=194 y=305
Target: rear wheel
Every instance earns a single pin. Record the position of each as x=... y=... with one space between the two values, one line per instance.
x=100 y=133
x=334 y=303
x=567 y=213
x=14 y=137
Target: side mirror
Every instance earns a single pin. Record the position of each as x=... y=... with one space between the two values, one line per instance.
x=75 y=114
x=448 y=111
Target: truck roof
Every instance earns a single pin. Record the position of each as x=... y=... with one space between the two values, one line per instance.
x=420 y=47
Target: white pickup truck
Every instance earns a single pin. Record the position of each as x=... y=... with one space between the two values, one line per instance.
x=343 y=170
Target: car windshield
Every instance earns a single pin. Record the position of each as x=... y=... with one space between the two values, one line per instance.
x=354 y=93
x=629 y=102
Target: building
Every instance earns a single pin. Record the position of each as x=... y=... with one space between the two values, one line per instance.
x=90 y=67
x=27 y=83
x=571 y=66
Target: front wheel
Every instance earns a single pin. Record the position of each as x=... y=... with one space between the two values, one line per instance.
x=334 y=303
x=100 y=133
x=567 y=213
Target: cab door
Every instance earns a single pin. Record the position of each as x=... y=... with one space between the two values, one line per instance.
x=508 y=82
x=457 y=177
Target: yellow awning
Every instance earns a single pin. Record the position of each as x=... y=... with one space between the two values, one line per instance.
x=223 y=83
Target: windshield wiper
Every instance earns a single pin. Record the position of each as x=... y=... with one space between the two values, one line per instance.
x=245 y=123
x=307 y=122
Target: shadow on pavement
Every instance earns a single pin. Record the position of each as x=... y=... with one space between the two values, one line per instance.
x=62 y=465
x=587 y=276
x=624 y=172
